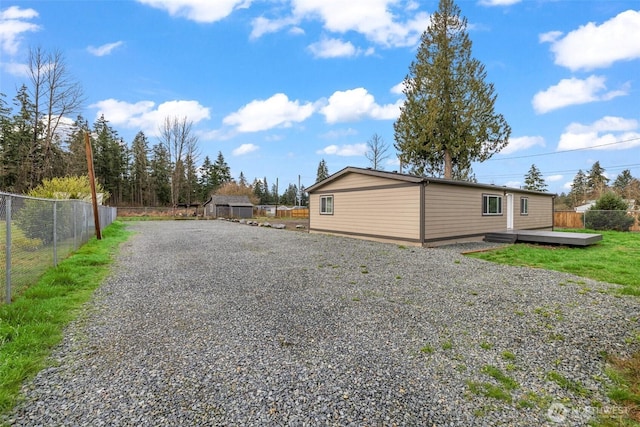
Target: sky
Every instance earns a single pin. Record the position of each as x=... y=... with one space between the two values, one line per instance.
x=279 y=85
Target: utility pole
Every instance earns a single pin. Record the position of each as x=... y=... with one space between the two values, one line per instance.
x=92 y=183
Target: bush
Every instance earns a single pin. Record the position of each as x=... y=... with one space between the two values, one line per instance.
x=609 y=213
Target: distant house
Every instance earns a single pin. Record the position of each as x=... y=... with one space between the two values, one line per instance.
x=586 y=206
x=401 y=208
x=228 y=207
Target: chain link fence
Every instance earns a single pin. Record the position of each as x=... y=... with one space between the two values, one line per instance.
x=37 y=233
x=598 y=220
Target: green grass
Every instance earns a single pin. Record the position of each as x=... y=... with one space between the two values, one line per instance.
x=567 y=384
x=612 y=260
x=32 y=325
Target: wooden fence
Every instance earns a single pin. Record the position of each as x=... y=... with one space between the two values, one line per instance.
x=572 y=219
x=294 y=213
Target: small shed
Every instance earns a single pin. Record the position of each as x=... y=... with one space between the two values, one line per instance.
x=421 y=211
x=228 y=207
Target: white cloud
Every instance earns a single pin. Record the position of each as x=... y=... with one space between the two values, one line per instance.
x=549 y=37
x=199 y=10
x=105 y=49
x=16 y=69
x=522 y=143
x=513 y=184
x=13 y=23
x=262 y=26
x=608 y=133
x=143 y=116
x=277 y=111
x=592 y=46
x=357 y=104
x=245 y=149
x=374 y=19
x=344 y=150
x=339 y=133
x=498 y=2
x=553 y=178
x=574 y=91
x=398 y=89
x=333 y=48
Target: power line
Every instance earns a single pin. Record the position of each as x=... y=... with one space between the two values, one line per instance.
x=606 y=168
x=566 y=151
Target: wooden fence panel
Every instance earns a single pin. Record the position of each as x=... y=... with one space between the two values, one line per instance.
x=295 y=213
x=568 y=219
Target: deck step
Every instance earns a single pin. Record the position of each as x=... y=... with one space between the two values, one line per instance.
x=500 y=238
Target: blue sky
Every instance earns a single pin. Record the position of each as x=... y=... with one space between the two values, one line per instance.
x=278 y=85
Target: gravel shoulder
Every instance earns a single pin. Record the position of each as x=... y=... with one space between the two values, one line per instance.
x=217 y=323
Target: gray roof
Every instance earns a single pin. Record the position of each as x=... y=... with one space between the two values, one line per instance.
x=231 y=201
x=411 y=178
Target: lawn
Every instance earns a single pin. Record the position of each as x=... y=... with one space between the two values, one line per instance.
x=612 y=260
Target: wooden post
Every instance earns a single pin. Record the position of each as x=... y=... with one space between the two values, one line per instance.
x=92 y=183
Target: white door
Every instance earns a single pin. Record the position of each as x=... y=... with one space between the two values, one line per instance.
x=509 y=211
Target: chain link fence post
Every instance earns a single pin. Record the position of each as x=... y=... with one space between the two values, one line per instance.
x=7 y=219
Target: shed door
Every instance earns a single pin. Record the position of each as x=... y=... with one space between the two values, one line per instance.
x=509 y=211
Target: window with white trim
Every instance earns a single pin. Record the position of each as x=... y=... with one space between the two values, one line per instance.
x=491 y=204
x=524 y=206
x=326 y=205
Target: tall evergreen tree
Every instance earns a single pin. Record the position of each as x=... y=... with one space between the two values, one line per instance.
x=140 y=170
x=267 y=198
x=76 y=163
x=258 y=191
x=207 y=179
x=534 y=181
x=109 y=160
x=323 y=171
x=290 y=195
x=579 y=189
x=222 y=170
x=8 y=162
x=596 y=180
x=448 y=119
x=160 y=175
x=242 y=180
x=26 y=153
x=191 y=186
x=627 y=186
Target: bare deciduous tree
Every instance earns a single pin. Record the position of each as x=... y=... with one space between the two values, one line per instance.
x=56 y=96
x=376 y=151
x=177 y=138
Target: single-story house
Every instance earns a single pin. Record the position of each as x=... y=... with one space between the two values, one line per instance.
x=421 y=211
x=228 y=207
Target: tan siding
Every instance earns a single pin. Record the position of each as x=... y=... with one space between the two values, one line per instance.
x=355 y=181
x=457 y=211
x=540 y=212
x=392 y=213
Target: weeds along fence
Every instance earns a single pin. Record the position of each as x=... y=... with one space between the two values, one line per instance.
x=594 y=218
x=37 y=233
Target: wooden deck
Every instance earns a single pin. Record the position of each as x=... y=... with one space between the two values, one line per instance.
x=539 y=236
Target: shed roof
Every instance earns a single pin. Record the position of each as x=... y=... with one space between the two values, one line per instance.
x=412 y=178
x=220 y=200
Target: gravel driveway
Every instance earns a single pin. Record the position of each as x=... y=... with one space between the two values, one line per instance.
x=217 y=323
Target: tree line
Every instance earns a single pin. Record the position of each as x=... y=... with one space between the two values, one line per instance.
x=38 y=144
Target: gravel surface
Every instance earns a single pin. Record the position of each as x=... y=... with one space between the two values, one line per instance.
x=217 y=323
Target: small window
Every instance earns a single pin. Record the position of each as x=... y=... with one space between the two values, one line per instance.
x=491 y=204
x=524 y=206
x=326 y=205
